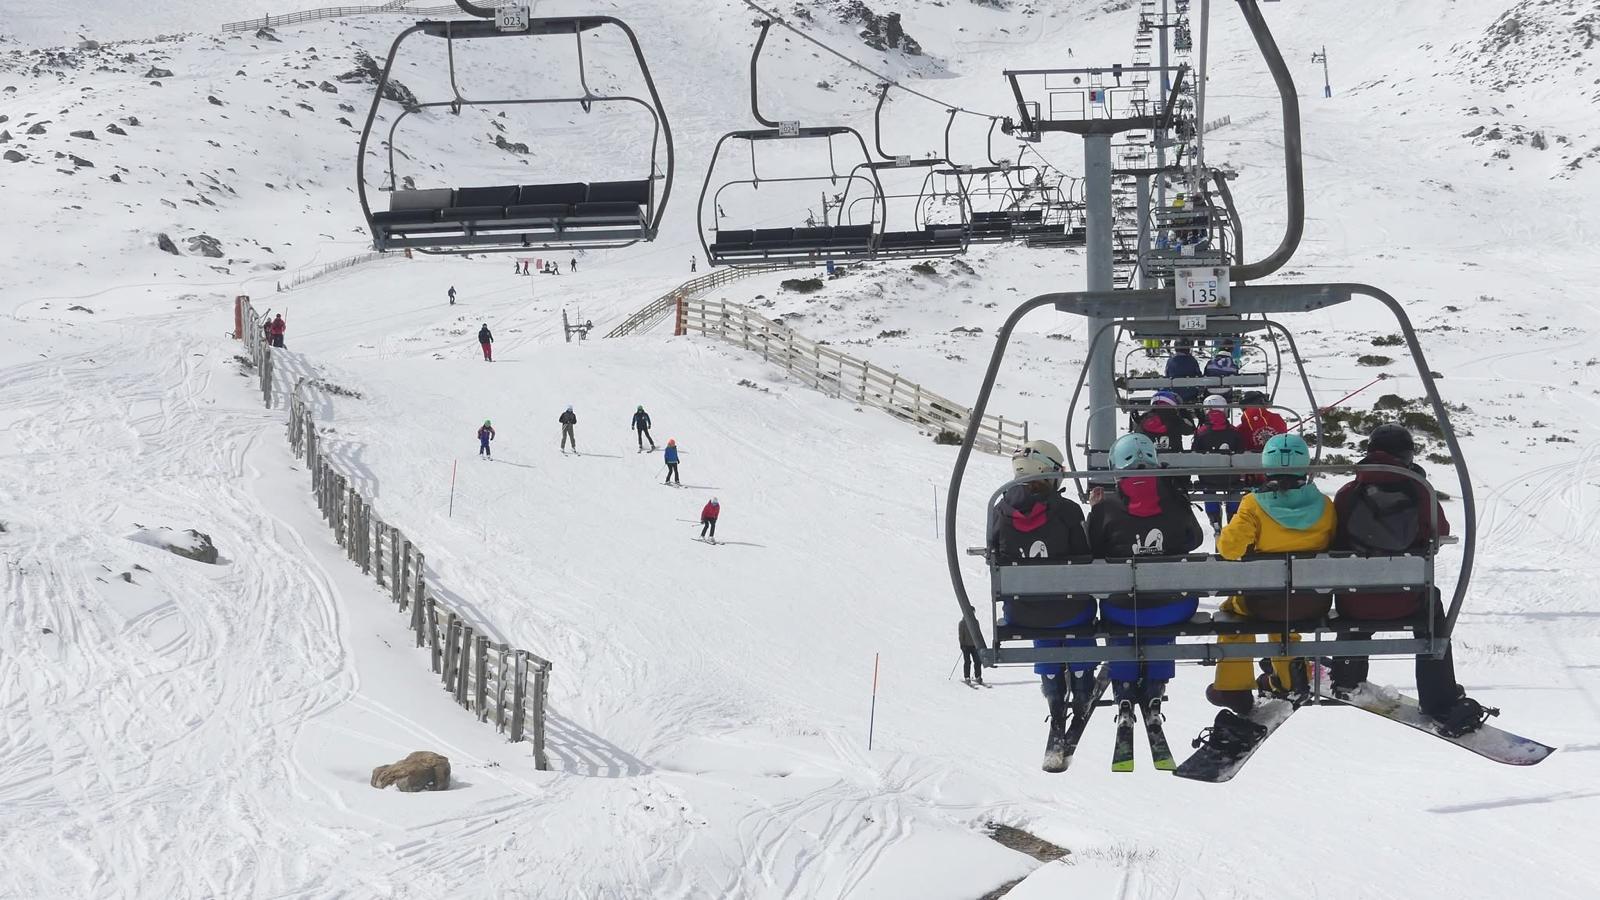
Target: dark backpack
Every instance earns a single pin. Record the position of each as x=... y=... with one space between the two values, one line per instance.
x=1382 y=521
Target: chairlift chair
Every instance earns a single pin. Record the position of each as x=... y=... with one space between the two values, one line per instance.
x=506 y=218
x=1198 y=573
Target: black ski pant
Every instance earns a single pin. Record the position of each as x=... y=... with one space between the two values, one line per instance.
x=672 y=475
x=567 y=435
x=970 y=663
x=1436 y=678
x=708 y=525
x=643 y=434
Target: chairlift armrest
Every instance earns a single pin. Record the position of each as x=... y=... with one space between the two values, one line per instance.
x=977 y=551
x=1448 y=539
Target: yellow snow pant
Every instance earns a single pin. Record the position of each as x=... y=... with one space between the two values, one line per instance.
x=1239 y=674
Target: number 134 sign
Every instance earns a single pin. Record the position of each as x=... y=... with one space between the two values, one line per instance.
x=1205 y=288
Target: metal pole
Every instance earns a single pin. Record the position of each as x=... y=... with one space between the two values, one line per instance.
x=1200 y=90
x=1161 y=133
x=1101 y=222
x=1142 y=193
x=872 y=714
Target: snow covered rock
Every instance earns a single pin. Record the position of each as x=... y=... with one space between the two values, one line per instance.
x=423 y=770
x=166 y=244
x=189 y=544
x=206 y=245
x=14 y=156
x=158 y=72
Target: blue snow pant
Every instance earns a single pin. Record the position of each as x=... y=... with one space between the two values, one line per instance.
x=1214 y=512
x=483 y=448
x=1172 y=613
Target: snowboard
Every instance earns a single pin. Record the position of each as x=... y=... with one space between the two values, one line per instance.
x=1058 y=757
x=1209 y=764
x=1488 y=741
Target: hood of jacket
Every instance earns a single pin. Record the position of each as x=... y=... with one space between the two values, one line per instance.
x=1297 y=509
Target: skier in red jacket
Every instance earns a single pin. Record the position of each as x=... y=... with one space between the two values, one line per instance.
x=275 y=330
x=708 y=519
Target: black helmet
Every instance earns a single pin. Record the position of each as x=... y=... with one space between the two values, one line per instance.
x=1253 y=398
x=1183 y=343
x=1393 y=439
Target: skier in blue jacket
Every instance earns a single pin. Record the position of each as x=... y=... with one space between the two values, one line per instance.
x=671 y=457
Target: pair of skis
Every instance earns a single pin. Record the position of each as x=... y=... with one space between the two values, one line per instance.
x=1155 y=735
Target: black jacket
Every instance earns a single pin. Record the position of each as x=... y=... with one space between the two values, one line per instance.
x=568 y=418
x=1208 y=438
x=1026 y=527
x=641 y=421
x=1143 y=520
x=1166 y=427
x=484 y=337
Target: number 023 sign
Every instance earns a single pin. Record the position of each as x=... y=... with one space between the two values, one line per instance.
x=1205 y=288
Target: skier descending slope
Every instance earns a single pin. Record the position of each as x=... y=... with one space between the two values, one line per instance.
x=708 y=521
x=641 y=428
x=486 y=340
x=568 y=420
x=1033 y=521
x=1144 y=515
x=485 y=435
x=1382 y=514
x=671 y=459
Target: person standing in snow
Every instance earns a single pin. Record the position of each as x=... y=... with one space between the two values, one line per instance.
x=485 y=435
x=708 y=519
x=693 y=261
x=568 y=419
x=671 y=457
x=641 y=428
x=572 y=264
x=1217 y=435
x=275 y=330
x=1030 y=522
x=452 y=295
x=970 y=664
x=486 y=340
x=1144 y=515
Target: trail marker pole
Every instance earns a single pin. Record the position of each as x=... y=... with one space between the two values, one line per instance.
x=872 y=715
x=452 y=512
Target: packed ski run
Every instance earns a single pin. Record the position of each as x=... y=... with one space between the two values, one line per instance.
x=199 y=695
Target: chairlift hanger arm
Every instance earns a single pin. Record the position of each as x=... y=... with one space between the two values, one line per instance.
x=755 y=58
x=1294 y=173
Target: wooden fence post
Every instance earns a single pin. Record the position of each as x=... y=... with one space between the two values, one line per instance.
x=437 y=643
x=396 y=573
x=541 y=690
x=500 y=687
x=416 y=577
x=464 y=668
x=480 y=676
x=519 y=693
x=419 y=620
x=377 y=547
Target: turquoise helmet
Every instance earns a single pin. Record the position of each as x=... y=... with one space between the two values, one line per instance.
x=1133 y=451
x=1287 y=451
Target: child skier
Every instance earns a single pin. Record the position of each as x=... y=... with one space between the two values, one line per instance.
x=568 y=419
x=486 y=341
x=641 y=428
x=485 y=435
x=970 y=664
x=1145 y=515
x=708 y=520
x=1164 y=424
x=275 y=330
x=671 y=457
x=1217 y=435
x=1032 y=521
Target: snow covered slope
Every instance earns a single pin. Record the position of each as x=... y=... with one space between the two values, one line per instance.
x=207 y=731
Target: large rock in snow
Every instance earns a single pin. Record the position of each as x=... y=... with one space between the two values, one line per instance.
x=423 y=770
x=189 y=544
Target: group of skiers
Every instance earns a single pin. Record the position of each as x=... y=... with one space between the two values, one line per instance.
x=1145 y=513
x=568 y=420
x=520 y=267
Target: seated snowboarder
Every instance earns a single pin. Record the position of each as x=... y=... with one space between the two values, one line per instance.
x=1032 y=521
x=1382 y=514
x=1144 y=515
x=1286 y=515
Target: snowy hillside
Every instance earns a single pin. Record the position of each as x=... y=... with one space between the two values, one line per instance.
x=179 y=729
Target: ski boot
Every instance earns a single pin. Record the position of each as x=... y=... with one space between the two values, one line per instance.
x=1082 y=693
x=1055 y=743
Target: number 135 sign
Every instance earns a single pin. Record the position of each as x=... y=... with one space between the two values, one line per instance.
x=1205 y=288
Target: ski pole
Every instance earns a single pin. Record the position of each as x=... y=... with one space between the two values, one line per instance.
x=451 y=513
x=952 y=670
x=872 y=715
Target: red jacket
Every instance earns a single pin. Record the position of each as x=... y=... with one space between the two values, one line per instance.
x=277 y=326
x=710 y=511
x=1258 y=425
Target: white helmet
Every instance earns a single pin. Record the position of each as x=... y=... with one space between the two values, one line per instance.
x=1037 y=458
x=1216 y=400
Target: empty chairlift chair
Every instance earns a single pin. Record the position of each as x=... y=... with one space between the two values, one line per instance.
x=518 y=217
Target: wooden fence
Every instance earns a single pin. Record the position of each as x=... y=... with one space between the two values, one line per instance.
x=821 y=367
x=659 y=309
x=339 y=12
x=495 y=681
x=314 y=272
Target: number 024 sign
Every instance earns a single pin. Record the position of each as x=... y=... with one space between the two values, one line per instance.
x=1205 y=288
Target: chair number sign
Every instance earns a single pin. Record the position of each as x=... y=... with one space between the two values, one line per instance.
x=511 y=16
x=1205 y=288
